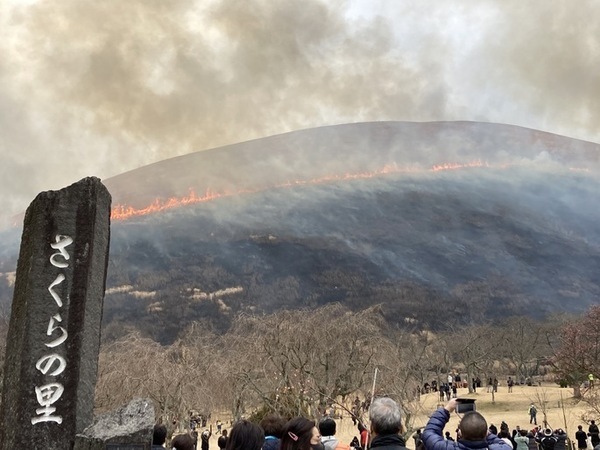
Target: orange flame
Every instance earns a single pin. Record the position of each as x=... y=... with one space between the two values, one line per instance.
x=124 y=212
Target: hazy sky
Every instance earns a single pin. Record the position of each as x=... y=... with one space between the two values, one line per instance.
x=102 y=87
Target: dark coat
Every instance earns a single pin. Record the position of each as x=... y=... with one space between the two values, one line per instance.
x=388 y=442
x=433 y=436
x=271 y=443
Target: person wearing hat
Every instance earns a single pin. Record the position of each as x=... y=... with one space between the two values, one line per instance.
x=473 y=432
x=548 y=440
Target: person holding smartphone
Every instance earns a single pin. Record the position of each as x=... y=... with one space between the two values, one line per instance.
x=472 y=431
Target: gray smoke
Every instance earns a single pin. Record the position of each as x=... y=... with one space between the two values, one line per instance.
x=98 y=88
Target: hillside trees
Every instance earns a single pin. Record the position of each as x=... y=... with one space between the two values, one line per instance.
x=476 y=347
x=578 y=352
x=301 y=361
x=139 y=367
x=523 y=343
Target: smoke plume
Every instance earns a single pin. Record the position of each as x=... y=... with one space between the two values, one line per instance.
x=99 y=88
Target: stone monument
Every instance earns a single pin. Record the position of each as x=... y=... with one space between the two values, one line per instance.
x=54 y=333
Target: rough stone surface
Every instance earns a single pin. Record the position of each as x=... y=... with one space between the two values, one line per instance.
x=54 y=332
x=128 y=428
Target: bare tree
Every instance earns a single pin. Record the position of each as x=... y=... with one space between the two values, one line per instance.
x=475 y=346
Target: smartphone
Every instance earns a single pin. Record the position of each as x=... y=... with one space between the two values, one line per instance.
x=464 y=405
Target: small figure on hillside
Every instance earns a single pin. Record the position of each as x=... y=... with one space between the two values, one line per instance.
x=591 y=379
x=581 y=437
x=495 y=384
x=219 y=426
x=593 y=433
x=532 y=414
x=510 y=383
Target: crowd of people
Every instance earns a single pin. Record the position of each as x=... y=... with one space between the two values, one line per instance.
x=385 y=433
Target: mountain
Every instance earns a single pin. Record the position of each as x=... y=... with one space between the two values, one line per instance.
x=437 y=222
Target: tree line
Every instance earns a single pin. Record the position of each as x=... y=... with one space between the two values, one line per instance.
x=304 y=362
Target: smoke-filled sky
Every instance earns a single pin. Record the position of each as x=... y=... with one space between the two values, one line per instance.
x=102 y=87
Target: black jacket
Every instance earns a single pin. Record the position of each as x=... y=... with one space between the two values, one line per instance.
x=388 y=442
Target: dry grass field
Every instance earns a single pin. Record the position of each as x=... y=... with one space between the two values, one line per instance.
x=510 y=407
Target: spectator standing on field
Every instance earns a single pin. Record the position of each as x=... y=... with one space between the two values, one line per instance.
x=222 y=441
x=581 y=437
x=593 y=433
x=532 y=414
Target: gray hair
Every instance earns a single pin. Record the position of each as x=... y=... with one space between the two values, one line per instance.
x=385 y=416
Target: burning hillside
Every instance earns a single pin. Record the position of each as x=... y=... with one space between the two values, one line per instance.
x=435 y=222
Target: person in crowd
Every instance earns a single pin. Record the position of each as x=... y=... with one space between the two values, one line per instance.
x=418 y=438
x=581 y=437
x=593 y=433
x=355 y=443
x=521 y=440
x=205 y=438
x=300 y=434
x=473 y=432
x=548 y=440
x=493 y=429
x=159 y=436
x=505 y=436
x=531 y=435
x=561 y=440
x=448 y=436
x=245 y=436
x=272 y=425
x=364 y=435
x=222 y=441
x=386 y=424
x=327 y=428
x=183 y=442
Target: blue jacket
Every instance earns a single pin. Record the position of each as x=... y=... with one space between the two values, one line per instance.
x=433 y=436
